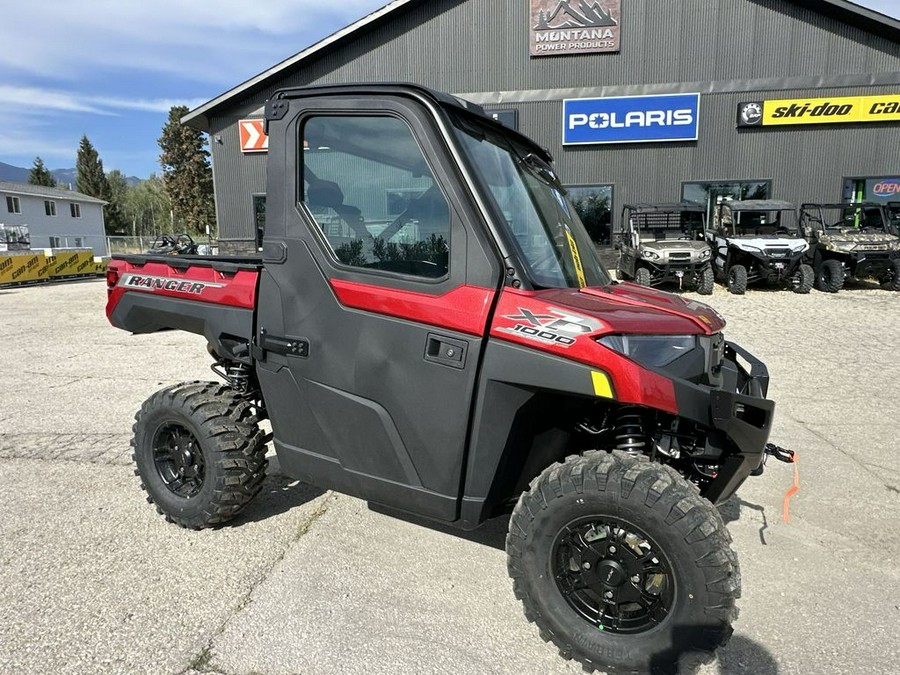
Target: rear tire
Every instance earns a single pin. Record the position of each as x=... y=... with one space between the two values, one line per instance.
x=830 y=276
x=642 y=276
x=584 y=528
x=737 y=279
x=199 y=453
x=804 y=279
x=707 y=281
x=894 y=275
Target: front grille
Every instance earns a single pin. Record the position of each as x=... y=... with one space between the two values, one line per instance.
x=778 y=252
x=680 y=256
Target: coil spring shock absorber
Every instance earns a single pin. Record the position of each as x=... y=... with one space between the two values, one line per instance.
x=629 y=430
x=238 y=376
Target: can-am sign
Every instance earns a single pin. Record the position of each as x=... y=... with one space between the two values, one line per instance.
x=832 y=110
x=574 y=26
x=631 y=119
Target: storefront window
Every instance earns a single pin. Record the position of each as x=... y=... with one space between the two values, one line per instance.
x=884 y=189
x=594 y=205
x=709 y=193
x=259 y=218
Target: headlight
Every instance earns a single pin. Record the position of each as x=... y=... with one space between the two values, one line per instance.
x=705 y=254
x=749 y=248
x=799 y=248
x=650 y=255
x=654 y=351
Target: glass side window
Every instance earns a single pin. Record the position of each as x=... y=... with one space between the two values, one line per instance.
x=368 y=187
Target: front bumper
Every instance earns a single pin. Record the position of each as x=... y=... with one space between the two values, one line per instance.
x=671 y=272
x=876 y=265
x=737 y=414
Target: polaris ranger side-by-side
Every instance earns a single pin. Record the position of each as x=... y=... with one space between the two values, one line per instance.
x=429 y=328
x=663 y=243
x=758 y=240
x=850 y=241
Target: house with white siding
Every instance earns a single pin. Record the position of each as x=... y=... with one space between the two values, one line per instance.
x=56 y=218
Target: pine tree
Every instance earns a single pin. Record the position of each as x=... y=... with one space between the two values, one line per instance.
x=187 y=174
x=114 y=213
x=90 y=178
x=40 y=174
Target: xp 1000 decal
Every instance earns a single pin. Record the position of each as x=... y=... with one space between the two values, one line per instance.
x=551 y=326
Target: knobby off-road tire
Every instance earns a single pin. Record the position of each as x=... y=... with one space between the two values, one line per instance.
x=805 y=279
x=199 y=453
x=830 y=276
x=894 y=275
x=563 y=534
x=706 y=282
x=642 y=276
x=737 y=279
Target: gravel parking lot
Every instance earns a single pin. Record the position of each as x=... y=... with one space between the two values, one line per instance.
x=92 y=580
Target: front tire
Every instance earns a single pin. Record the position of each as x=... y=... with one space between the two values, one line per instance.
x=622 y=565
x=642 y=276
x=894 y=275
x=199 y=453
x=707 y=281
x=830 y=277
x=737 y=279
x=804 y=280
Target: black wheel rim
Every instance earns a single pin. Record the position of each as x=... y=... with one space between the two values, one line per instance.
x=613 y=575
x=178 y=459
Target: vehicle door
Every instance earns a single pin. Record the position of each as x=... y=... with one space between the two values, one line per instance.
x=374 y=301
x=717 y=236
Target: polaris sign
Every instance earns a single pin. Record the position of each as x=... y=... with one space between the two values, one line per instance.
x=631 y=119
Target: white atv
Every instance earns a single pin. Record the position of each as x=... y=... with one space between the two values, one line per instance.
x=759 y=241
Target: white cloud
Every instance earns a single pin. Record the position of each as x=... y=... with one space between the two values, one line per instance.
x=40 y=101
x=220 y=41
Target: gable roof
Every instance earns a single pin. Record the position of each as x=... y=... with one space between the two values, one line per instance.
x=47 y=192
x=842 y=10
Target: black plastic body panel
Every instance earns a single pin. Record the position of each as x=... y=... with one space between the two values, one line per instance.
x=147 y=313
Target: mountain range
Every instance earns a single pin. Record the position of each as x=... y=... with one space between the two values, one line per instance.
x=17 y=174
x=585 y=16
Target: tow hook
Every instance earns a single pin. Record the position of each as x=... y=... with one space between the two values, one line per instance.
x=776 y=451
x=779 y=453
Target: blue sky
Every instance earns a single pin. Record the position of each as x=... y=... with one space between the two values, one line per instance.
x=111 y=69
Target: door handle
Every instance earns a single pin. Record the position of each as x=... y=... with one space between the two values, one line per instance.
x=446 y=351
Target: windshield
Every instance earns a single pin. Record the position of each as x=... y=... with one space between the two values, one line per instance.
x=846 y=219
x=551 y=240
x=760 y=223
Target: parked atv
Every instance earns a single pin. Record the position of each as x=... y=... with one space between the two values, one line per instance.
x=663 y=243
x=758 y=241
x=893 y=213
x=850 y=241
x=170 y=244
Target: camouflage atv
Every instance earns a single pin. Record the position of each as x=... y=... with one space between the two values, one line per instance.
x=850 y=241
x=663 y=243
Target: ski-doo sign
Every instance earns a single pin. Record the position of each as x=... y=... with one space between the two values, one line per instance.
x=574 y=26
x=631 y=119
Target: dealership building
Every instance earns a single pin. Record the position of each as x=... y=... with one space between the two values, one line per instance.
x=637 y=100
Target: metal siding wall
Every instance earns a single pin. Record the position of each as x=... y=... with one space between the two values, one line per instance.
x=238 y=176
x=481 y=46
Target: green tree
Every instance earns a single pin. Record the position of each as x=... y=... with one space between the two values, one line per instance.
x=187 y=174
x=147 y=207
x=114 y=213
x=40 y=174
x=89 y=177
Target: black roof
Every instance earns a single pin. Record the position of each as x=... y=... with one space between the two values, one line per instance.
x=844 y=205
x=842 y=10
x=759 y=205
x=674 y=207
x=416 y=91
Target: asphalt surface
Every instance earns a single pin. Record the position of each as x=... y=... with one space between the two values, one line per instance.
x=92 y=580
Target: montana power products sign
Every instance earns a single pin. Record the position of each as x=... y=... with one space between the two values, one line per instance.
x=831 y=110
x=559 y=27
